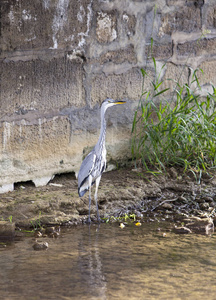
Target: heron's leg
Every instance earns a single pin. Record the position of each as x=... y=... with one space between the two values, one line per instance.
x=90 y=183
x=97 y=181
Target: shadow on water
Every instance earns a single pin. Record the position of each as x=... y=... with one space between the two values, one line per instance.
x=108 y=262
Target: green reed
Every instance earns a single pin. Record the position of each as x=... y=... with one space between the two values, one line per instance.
x=180 y=131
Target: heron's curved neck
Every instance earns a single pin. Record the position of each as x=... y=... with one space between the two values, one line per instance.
x=101 y=140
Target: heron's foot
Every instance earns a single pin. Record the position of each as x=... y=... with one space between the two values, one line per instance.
x=89 y=220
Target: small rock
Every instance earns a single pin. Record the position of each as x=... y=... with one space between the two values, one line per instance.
x=208 y=198
x=38 y=234
x=173 y=173
x=49 y=230
x=167 y=206
x=138 y=214
x=179 y=179
x=111 y=167
x=204 y=205
x=56 y=184
x=213 y=181
x=40 y=246
x=137 y=170
x=121 y=225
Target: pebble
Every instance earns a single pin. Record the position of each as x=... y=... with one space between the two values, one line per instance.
x=173 y=173
x=204 y=205
x=121 y=225
x=40 y=246
x=167 y=206
x=208 y=198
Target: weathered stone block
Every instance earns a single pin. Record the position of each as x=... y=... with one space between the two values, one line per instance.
x=209 y=73
x=187 y=19
x=159 y=51
x=106 y=28
x=117 y=86
x=175 y=74
x=39 y=85
x=44 y=24
x=32 y=148
x=129 y=24
x=211 y=17
x=195 y=3
x=175 y=2
x=197 y=48
x=127 y=54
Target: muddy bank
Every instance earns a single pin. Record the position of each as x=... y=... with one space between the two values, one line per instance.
x=172 y=197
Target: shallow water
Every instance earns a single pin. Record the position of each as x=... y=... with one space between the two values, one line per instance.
x=108 y=262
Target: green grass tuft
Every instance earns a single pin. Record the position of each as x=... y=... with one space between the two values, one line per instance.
x=180 y=132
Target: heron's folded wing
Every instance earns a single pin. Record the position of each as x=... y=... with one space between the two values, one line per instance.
x=86 y=168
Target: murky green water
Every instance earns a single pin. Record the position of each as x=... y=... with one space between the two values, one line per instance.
x=111 y=263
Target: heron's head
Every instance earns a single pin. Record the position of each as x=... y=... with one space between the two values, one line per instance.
x=110 y=102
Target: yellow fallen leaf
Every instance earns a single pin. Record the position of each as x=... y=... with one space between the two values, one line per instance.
x=138 y=224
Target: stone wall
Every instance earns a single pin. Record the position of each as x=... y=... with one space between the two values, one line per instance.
x=59 y=59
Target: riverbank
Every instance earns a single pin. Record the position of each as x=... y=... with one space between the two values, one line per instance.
x=122 y=193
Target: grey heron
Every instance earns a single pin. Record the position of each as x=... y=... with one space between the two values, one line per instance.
x=94 y=163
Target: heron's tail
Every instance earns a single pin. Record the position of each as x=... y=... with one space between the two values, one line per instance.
x=82 y=190
x=82 y=193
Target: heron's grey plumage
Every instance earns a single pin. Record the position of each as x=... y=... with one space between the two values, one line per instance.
x=94 y=163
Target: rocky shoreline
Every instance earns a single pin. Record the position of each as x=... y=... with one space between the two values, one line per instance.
x=125 y=194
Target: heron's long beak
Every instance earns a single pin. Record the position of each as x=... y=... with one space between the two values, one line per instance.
x=119 y=102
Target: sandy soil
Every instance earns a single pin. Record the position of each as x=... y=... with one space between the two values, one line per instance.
x=121 y=192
